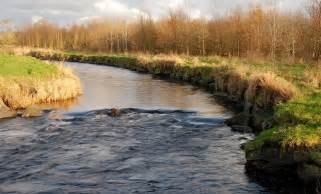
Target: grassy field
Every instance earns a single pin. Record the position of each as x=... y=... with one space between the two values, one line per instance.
x=25 y=81
x=20 y=66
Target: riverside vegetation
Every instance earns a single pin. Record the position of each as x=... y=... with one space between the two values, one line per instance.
x=26 y=81
x=282 y=103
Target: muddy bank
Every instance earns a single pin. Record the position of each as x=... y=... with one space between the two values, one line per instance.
x=300 y=167
x=28 y=112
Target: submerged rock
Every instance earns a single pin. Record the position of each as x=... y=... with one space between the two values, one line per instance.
x=114 y=112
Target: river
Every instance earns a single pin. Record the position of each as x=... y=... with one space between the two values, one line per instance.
x=170 y=138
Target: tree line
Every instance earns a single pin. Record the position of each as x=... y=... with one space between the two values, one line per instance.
x=259 y=32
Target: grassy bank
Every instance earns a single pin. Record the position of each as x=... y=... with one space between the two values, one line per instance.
x=280 y=99
x=25 y=81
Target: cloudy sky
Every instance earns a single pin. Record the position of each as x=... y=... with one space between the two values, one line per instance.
x=69 y=11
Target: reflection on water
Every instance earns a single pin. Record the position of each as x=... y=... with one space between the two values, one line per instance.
x=138 y=152
x=64 y=105
x=142 y=151
x=108 y=87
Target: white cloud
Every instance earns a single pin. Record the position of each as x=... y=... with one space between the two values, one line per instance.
x=196 y=13
x=56 y=12
x=110 y=5
x=87 y=19
x=117 y=9
x=288 y=4
x=36 y=19
x=175 y=4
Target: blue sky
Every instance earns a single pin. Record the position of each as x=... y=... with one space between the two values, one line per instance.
x=70 y=11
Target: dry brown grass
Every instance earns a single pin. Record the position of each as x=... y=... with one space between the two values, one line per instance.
x=237 y=83
x=267 y=89
x=21 y=92
x=264 y=88
x=151 y=59
x=15 y=50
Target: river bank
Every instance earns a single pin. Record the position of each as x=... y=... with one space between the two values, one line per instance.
x=282 y=101
x=26 y=81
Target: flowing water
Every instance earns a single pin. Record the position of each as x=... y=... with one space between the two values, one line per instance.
x=168 y=138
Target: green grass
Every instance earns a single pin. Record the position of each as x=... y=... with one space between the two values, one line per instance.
x=293 y=72
x=21 y=66
x=298 y=125
x=305 y=111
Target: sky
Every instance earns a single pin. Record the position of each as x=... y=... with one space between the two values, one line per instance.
x=64 y=12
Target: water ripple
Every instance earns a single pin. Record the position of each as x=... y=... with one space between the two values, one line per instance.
x=141 y=151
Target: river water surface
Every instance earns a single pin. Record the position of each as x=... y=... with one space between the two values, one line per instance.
x=170 y=138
